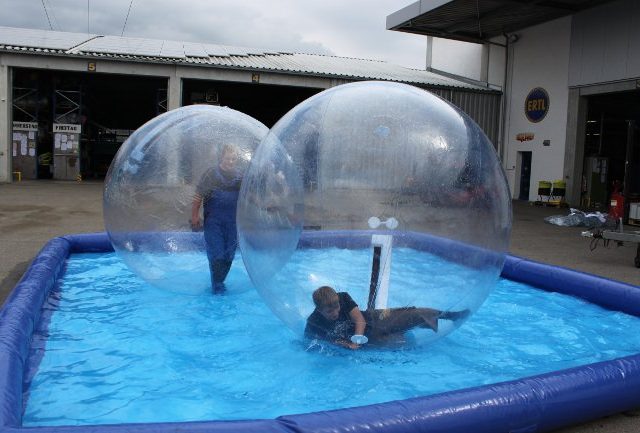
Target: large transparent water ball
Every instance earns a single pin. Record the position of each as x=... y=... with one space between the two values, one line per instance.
x=164 y=169
x=383 y=191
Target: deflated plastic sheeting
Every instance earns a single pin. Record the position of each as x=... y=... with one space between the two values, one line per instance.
x=533 y=404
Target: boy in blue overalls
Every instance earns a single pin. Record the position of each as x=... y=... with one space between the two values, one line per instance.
x=218 y=193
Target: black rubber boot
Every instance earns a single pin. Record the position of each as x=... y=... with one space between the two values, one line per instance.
x=219 y=271
x=225 y=267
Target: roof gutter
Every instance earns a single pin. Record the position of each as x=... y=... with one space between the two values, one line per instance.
x=467 y=80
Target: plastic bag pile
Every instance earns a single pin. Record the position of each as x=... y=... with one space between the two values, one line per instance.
x=577 y=218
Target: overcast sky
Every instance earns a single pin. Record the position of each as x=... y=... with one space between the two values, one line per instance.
x=351 y=28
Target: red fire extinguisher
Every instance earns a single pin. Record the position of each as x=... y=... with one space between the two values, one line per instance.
x=616 y=208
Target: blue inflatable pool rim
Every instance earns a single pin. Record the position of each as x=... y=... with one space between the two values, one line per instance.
x=533 y=404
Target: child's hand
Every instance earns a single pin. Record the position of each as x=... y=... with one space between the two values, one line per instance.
x=196 y=224
x=348 y=344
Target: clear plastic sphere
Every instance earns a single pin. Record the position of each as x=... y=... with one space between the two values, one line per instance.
x=159 y=174
x=381 y=190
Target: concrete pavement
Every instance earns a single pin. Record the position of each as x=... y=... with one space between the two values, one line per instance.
x=32 y=212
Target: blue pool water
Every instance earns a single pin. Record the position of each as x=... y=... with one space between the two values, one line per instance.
x=117 y=350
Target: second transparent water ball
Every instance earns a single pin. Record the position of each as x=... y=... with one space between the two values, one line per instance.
x=382 y=191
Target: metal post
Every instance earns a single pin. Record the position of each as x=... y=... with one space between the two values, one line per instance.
x=5 y=122
x=375 y=276
x=628 y=162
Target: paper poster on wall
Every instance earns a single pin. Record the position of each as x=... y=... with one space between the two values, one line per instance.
x=66 y=137
x=32 y=135
x=16 y=136
x=23 y=147
x=32 y=151
x=15 y=149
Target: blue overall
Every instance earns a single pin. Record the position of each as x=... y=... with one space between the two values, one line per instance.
x=219 y=192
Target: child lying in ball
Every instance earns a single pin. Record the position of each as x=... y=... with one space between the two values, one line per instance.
x=338 y=319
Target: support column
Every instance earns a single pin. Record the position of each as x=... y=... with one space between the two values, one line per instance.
x=484 y=63
x=174 y=91
x=574 y=145
x=174 y=100
x=429 y=53
x=5 y=124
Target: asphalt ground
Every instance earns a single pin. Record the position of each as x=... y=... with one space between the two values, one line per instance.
x=32 y=212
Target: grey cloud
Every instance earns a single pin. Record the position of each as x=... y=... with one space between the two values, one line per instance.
x=354 y=28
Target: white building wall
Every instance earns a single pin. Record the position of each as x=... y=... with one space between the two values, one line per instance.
x=597 y=46
x=457 y=57
x=605 y=44
x=465 y=59
x=539 y=58
x=496 y=63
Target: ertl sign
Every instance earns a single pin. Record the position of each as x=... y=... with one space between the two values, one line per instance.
x=536 y=105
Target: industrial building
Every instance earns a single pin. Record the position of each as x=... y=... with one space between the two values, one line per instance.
x=570 y=76
x=69 y=100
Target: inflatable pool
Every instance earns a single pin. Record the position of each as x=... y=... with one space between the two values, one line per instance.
x=537 y=403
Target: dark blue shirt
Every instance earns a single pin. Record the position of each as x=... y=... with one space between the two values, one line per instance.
x=219 y=191
x=332 y=330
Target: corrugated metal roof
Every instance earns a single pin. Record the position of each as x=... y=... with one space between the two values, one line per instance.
x=201 y=54
x=41 y=39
